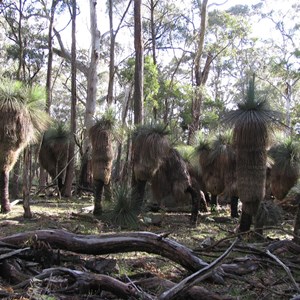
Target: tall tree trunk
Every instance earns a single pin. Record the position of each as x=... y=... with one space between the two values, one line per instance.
x=20 y=73
x=111 y=56
x=50 y=57
x=288 y=98
x=43 y=174
x=153 y=29
x=71 y=156
x=92 y=73
x=113 y=34
x=138 y=187
x=139 y=65
x=4 y=191
x=91 y=95
x=200 y=75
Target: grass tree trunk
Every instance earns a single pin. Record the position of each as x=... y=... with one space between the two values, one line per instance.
x=102 y=156
x=4 y=190
x=15 y=188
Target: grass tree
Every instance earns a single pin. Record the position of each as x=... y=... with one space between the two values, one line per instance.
x=150 y=147
x=285 y=169
x=210 y=154
x=101 y=136
x=53 y=155
x=218 y=168
x=174 y=179
x=252 y=123
x=22 y=117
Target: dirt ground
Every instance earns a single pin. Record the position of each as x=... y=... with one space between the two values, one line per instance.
x=249 y=271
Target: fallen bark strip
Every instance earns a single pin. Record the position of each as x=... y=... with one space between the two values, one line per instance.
x=194 y=293
x=13 y=253
x=180 y=288
x=287 y=270
x=112 y=243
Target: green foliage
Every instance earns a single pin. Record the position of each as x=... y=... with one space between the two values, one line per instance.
x=225 y=28
x=186 y=152
x=150 y=75
x=151 y=85
x=124 y=211
x=26 y=32
x=212 y=109
x=36 y=96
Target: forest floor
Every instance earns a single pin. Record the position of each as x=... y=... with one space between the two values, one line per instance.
x=250 y=271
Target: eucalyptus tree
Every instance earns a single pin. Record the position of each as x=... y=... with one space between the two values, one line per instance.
x=282 y=69
x=113 y=34
x=91 y=94
x=215 y=33
x=139 y=64
x=25 y=31
x=252 y=122
x=50 y=10
x=22 y=118
x=70 y=173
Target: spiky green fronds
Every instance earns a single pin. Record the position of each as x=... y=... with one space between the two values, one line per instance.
x=58 y=132
x=221 y=148
x=17 y=98
x=186 y=152
x=285 y=169
x=202 y=142
x=286 y=154
x=12 y=95
x=124 y=212
x=106 y=122
x=146 y=130
x=253 y=119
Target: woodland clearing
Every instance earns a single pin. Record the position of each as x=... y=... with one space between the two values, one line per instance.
x=36 y=266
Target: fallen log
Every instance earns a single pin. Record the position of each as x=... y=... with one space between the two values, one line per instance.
x=112 y=243
x=85 y=282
